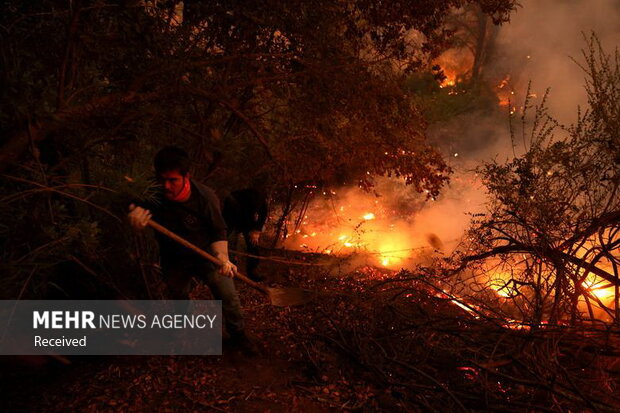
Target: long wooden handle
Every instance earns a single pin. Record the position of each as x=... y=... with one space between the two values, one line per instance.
x=204 y=254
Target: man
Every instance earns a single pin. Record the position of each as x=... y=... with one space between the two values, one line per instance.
x=245 y=212
x=191 y=210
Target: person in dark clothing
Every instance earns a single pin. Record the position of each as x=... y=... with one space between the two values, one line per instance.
x=245 y=212
x=192 y=210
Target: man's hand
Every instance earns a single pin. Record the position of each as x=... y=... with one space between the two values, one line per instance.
x=254 y=237
x=138 y=217
x=227 y=269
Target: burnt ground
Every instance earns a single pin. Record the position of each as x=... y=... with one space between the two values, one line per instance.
x=372 y=340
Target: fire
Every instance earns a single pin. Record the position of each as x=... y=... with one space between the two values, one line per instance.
x=455 y=63
x=502 y=290
x=596 y=300
x=505 y=82
x=351 y=221
x=392 y=252
x=505 y=92
x=604 y=292
x=449 y=81
x=500 y=282
x=392 y=227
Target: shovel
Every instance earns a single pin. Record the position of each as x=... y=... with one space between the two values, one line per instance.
x=281 y=297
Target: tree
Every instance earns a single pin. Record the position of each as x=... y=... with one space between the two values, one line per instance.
x=281 y=72
x=551 y=237
x=283 y=92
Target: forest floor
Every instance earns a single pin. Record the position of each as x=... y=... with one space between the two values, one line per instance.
x=372 y=340
x=290 y=373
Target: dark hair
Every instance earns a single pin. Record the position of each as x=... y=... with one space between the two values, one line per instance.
x=171 y=158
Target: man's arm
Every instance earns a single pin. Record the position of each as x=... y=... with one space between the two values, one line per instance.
x=219 y=246
x=220 y=250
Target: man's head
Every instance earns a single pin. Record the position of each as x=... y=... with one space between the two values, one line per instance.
x=172 y=168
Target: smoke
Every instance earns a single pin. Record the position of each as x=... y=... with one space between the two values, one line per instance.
x=540 y=40
x=536 y=47
x=392 y=226
x=395 y=227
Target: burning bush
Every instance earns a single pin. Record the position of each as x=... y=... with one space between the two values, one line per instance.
x=548 y=247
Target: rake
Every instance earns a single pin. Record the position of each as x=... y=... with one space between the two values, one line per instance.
x=281 y=297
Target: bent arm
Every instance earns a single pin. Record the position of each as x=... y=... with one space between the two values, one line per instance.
x=220 y=250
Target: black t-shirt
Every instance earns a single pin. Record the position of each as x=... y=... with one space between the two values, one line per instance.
x=198 y=220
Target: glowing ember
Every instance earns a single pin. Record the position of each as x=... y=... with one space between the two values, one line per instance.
x=448 y=81
x=505 y=92
x=463 y=306
x=505 y=82
x=369 y=216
